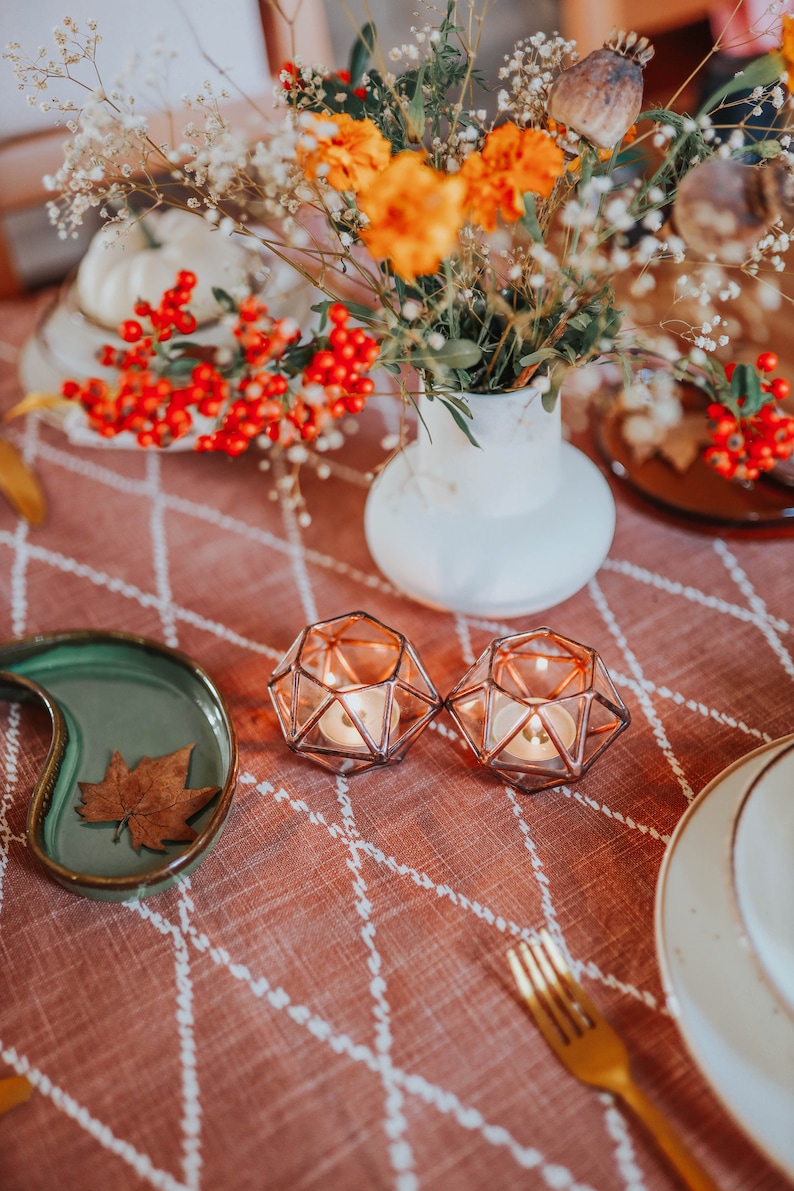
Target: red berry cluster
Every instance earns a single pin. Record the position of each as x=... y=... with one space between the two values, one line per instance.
x=144 y=401
x=157 y=410
x=291 y=79
x=746 y=446
x=333 y=384
x=343 y=76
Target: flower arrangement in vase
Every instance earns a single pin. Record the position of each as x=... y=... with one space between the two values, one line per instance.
x=480 y=251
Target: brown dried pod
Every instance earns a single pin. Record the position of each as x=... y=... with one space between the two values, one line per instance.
x=723 y=207
x=601 y=96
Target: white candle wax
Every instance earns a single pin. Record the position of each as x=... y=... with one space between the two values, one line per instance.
x=533 y=742
x=369 y=705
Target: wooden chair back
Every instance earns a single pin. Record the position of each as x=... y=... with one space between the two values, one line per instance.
x=288 y=27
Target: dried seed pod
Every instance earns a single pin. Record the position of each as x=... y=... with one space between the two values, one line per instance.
x=723 y=207
x=601 y=96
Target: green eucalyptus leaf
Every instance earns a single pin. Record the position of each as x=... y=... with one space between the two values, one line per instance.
x=364 y=314
x=456 y=353
x=761 y=72
x=530 y=219
x=549 y=400
x=415 y=116
x=625 y=368
x=458 y=418
x=588 y=159
x=361 y=51
x=543 y=353
x=297 y=357
x=322 y=309
x=181 y=365
x=224 y=299
x=746 y=383
x=592 y=333
x=459 y=403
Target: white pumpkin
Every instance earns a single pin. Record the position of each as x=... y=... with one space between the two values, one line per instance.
x=123 y=266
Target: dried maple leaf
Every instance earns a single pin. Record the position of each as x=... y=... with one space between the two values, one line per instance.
x=150 y=799
x=683 y=442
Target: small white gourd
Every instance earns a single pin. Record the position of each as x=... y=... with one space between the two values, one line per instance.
x=125 y=265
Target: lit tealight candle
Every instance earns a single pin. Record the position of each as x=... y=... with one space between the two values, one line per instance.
x=533 y=742
x=369 y=705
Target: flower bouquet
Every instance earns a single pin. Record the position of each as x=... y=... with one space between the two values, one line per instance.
x=481 y=250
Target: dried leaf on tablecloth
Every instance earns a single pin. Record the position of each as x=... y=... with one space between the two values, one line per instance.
x=19 y=486
x=32 y=402
x=683 y=442
x=151 y=799
x=14 y=1090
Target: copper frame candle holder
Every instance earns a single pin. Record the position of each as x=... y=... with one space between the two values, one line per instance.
x=538 y=709
x=352 y=694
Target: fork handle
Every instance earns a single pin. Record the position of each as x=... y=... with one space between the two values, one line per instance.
x=690 y=1170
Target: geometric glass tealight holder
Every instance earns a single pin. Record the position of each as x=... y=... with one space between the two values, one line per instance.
x=538 y=709
x=352 y=694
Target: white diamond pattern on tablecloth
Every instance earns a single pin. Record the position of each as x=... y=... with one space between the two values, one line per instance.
x=324 y=1002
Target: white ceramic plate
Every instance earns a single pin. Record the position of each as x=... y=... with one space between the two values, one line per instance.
x=762 y=867
x=64 y=345
x=728 y=1015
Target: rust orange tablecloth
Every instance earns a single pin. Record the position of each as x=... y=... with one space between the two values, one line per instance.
x=326 y=1002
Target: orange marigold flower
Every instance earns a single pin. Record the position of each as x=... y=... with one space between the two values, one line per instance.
x=415 y=213
x=787 y=49
x=351 y=157
x=512 y=162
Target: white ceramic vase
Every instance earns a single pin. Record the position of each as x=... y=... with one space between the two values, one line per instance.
x=512 y=526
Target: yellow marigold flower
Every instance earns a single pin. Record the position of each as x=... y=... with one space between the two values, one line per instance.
x=512 y=162
x=414 y=213
x=787 y=49
x=350 y=158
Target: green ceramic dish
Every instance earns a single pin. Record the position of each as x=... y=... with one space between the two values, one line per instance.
x=105 y=691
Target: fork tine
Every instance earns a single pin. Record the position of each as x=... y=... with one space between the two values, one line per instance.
x=557 y=1025
x=555 y=975
x=586 y=1008
x=537 y=1008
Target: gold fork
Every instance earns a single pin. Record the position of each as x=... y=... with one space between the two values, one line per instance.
x=588 y=1046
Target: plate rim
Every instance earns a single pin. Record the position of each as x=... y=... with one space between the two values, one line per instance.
x=786 y=1003
x=662 y=946
x=777 y=521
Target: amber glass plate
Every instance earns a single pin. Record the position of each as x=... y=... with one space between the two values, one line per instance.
x=699 y=492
